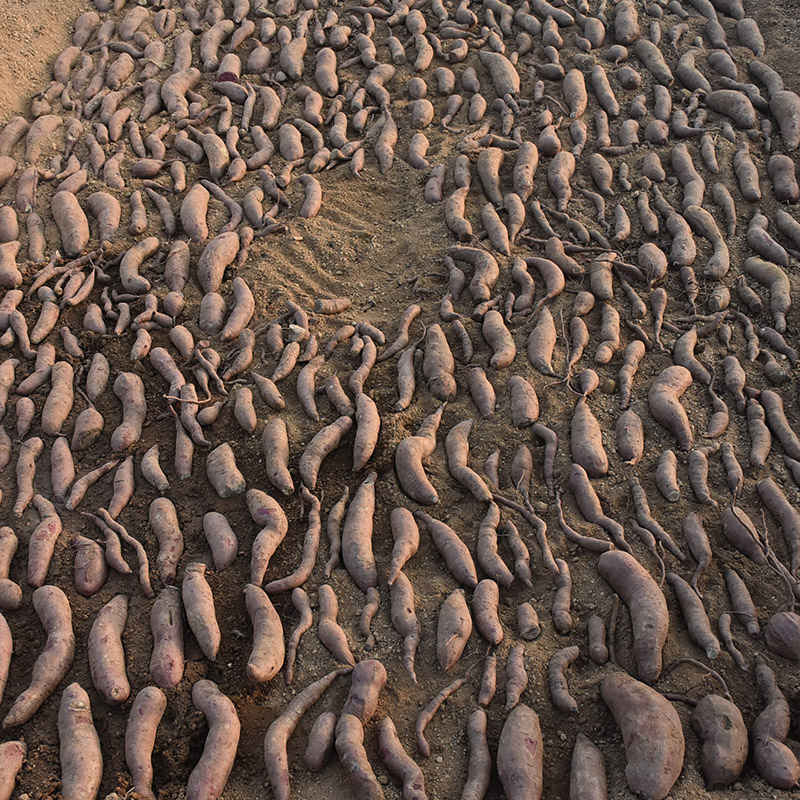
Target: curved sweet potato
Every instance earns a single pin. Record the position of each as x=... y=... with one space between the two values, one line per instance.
x=651 y=731
x=665 y=406
x=648 y=608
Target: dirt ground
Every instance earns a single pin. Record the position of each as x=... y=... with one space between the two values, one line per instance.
x=379 y=243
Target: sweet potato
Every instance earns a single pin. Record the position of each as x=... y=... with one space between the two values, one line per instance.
x=774 y=760
x=357 y=536
x=455 y=553
x=488 y=680
x=53 y=663
x=760 y=437
x=368 y=679
x=502 y=72
x=457 y=448
x=648 y=608
x=778 y=423
x=324 y=443
x=557 y=680
x=368 y=425
x=198 y=602
x=541 y=342
x=79 y=746
x=429 y=712
x=268 y=513
x=776 y=281
x=29 y=452
x=218 y=254
x=453 y=629
x=589 y=505
x=694 y=615
x=166 y=624
x=267 y=655
x=12 y=756
x=6 y=648
x=90 y=566
x=106 y=653
x=223 y=474
x=485 y=600
x=587 y=776
x=10 y=592
x=480 y=760
x=42 y=542
x=559 y=174
x=60 y=399
x=516 y=676
x=719 y=725
x=630 y=437
x=321 y=739
x=785 y=107
x=409 y=455
x=129 y=388
x=151 y=470
x=221 y=539
x=10 y=276
x=782 y=634
x=164 y=521
x=353 y=758
x=586 y=440
x=330 y=632
x=140 y=736
x=488 y=557
x=786 y=515
x=207 y=780
x=404 y=620
x=72 y=223
x=398 y=762
x=651 y=731
x=665 y=406
x=406 y=540
x=520 y=755
x=438 y=365
x=486 y=271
